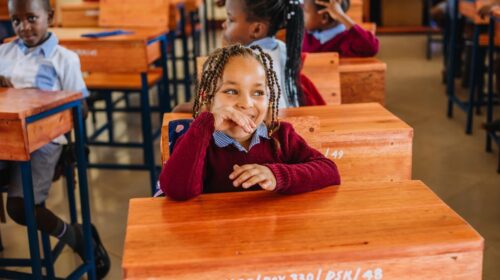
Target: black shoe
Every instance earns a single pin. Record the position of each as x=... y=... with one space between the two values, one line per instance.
x=101 y=258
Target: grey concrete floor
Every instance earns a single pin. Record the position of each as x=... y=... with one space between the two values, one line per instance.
x=453 y=164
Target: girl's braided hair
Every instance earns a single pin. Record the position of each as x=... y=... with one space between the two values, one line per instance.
x=213 y=68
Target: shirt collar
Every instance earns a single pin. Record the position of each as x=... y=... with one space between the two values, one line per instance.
x=46 y=48
x=328 y=34
x=268 y=43
x=223 y=140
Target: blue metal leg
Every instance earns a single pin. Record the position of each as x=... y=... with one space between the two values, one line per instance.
x=174 y=66
x=47 y=255
x=165 y=101
x=473 y=80
x=84 y=195
x=206 y=25
x=109 y=115
x=68 y=169
x=491 y=66
x=185 y=55
x=450 y=63
x=29 y=207
x=147 y=133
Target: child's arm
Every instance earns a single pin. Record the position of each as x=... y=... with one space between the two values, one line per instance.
x=5 y=82
x=360 y=42
x=182 y=175
x=486 y=10
x=306 y=169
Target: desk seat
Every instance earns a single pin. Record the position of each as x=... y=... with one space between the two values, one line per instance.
x=132 y=81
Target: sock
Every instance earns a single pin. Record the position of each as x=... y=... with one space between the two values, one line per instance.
x=71 y=235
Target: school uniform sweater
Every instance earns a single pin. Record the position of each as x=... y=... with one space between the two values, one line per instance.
x=197 y=165
x=355 y=42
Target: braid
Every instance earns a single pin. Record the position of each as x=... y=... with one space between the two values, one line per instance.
x=213 y=70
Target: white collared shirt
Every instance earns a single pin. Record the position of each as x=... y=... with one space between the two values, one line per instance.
x=328 y=34
x=47 y=67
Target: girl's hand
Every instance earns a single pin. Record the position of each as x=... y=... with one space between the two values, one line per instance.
x=4 y=82
x=227 y=117
x=333 y=8
x=251 y=174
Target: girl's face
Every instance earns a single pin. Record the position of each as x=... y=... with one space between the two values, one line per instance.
x=243 y=87
x=236 y=28
x=30 y=21
x=312 y=20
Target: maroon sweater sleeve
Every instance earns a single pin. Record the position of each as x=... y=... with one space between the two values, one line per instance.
x=359 y=43
x=305 y=169
x=182 y=175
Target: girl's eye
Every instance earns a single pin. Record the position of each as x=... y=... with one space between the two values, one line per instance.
x=15 y=21
x=230 y=91
x=32 y=19
x=259 y=93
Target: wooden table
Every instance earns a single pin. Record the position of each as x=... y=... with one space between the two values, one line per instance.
x=381 y=230
x=29 y=119
x=362 y=80
x=367 y=142
x=80 y=14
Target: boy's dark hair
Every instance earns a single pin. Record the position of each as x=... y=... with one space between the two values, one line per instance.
x=346 y=4
x=286 y=14
x=45 y=4
x=213 y=68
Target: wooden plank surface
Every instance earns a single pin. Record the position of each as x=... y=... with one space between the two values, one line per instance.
x=362 y=80
x=80 y=14
x=355 y=11
x=387 y=230
x=133 y=13
x=23 y=103
x=20 y=139
x=367 y=142
x=321 y=68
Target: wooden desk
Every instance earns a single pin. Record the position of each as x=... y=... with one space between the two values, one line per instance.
x=366 y=141
x=4 y=12
x=355 y=11
x=131 y=53
x=29 y=119
x=80 y=14
x=362 y=80
x=355 y=231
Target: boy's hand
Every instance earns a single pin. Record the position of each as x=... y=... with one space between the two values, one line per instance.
x=227 y=117
x=252 y=174
x=4 y=82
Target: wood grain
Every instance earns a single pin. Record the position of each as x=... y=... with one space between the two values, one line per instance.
x=45 y=130
x=133 y=13
x=367 y=142
x=362 y=80
x=95 y=81
x=402 y=229
x=80 y=14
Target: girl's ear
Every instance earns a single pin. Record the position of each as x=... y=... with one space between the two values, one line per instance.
x=258 y=29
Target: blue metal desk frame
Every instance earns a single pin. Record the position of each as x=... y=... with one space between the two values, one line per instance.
x=50 y=256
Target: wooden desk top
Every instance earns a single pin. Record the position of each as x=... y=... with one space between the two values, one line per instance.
x=66 y=35
x=361 y=64
x=399 y=229
x=350 y=118
x=80 y=6
x=470 y=10
x=23 y=103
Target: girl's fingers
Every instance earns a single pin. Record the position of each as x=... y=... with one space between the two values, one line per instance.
x=238 y=170
x=266 y=185
x=247 y=174
x=321 y=3
x=254 y=180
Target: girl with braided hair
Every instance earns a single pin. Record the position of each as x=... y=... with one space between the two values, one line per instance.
x=236 y=142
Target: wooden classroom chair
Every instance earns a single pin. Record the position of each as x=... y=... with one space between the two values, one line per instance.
x=321 y=68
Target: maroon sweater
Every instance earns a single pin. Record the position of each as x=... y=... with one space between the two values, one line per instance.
x=198 y=166
x=355 y=42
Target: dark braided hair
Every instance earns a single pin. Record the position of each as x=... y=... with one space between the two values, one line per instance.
x=283 y=14
x=213 y=68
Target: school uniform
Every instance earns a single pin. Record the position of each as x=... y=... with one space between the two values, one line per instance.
x=46 y=67
x=355 y=42
x=203 y=158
